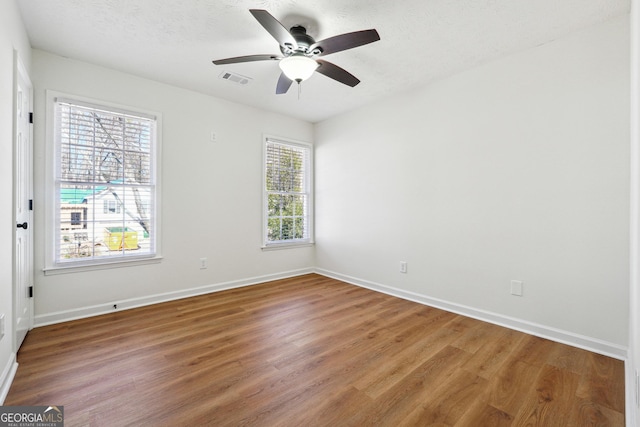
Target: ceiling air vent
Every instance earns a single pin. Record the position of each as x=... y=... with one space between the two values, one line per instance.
x=235 y=78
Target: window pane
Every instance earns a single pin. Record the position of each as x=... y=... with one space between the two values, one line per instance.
x=76 y=218
x=285 y=171
x=273 y=201
x=299 y=227
x=274 y=229
x=105 y=184
x=287 y=231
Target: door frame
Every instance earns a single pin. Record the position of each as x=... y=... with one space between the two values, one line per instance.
x=20 y=73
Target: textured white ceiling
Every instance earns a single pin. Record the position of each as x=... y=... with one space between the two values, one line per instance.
x=421 y=40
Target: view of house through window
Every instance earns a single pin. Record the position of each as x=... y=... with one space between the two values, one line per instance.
x=105 y=183
x=287 y=192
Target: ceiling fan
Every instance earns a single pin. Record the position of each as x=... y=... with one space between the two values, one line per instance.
x=299 y=52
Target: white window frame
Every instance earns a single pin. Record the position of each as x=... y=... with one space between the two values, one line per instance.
x=308 y=191
x=51 y=196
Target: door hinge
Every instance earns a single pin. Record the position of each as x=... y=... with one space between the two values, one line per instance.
x=30 y=204
x=30 y=291
x=31 y=118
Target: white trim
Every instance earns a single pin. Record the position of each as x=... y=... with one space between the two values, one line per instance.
x=101 y=106
x=102 y=265
x=96 y=310
x=630 y=392
x=631 y=367
x=310 y=190
x=51 y=266
x=6 y=378
x=587 y=343
x=279 y=246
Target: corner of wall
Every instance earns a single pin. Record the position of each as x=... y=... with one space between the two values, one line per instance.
x=633 y=358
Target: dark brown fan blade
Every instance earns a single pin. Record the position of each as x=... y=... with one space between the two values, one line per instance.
x=248 y=58
x=336 y=73
x=275 y=28
x=345 y=41
x=284 y=83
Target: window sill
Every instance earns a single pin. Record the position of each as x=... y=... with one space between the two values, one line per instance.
x=65 y=269
x=279 y=246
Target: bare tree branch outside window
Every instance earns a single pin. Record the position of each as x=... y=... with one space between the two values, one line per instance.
x=105 y=156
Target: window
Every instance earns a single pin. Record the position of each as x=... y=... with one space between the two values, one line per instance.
x=287 y=192
x=104 y=181
x=76 y=218
x=111 y=206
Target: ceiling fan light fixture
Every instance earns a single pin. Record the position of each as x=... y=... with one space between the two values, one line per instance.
x=298 y=67
x=299 y=50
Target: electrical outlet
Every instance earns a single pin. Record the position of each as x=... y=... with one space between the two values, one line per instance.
x=516 y=288
x=203 y=263
x=403 y=266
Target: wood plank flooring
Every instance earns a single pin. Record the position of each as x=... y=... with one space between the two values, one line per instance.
x=310 y=351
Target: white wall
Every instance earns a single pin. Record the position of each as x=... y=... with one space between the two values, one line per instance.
x=517 y=169
x=12 y=37
x=211 y=193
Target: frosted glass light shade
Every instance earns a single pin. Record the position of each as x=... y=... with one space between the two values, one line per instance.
x=298 y=67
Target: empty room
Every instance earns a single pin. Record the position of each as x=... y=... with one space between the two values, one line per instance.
x=324 y=213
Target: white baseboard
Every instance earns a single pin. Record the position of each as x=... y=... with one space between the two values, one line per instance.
x=631 y=405
x=96 y=310
x=592 y=344
x=565 y=337
x=6 y=379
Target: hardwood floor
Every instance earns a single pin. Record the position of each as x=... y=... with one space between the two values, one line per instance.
x=310 y=351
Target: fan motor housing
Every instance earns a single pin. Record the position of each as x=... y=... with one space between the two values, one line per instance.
x=304 y=41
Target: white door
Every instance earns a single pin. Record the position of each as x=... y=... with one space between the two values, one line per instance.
x=23 y=205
